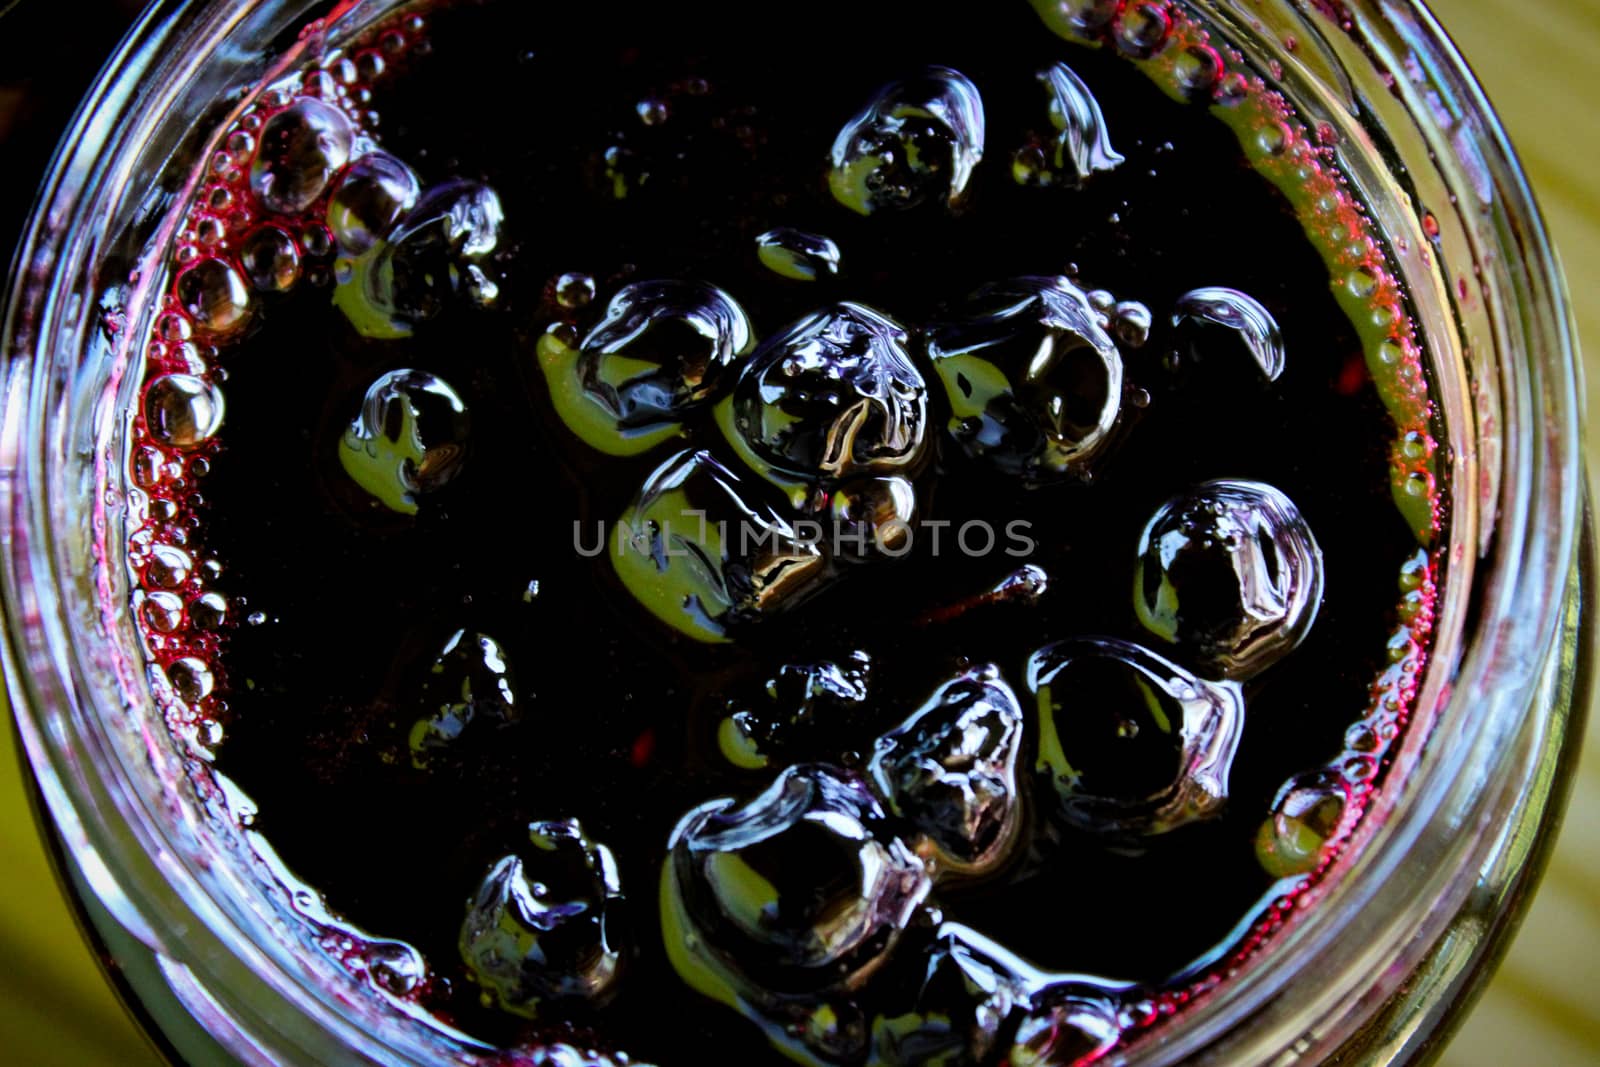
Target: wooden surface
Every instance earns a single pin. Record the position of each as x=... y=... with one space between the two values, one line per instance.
x=1540 y=62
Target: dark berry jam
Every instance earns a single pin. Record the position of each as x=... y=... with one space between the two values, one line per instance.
x=887 y=539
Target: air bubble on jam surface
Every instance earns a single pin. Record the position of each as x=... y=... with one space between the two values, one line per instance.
x=817 y=690
x=470 y=679
x=214 y=294
x=798 y=700
x=544 y=922
x=1034 y=381
x=976 y=997
x=373 y=195
x=832 y=395
x=1067 y=1028
x=394 y=966
x=792 y=893
x=574 y=290
x=916 y=141
x=796 y=254
x=1133 y=744
x=271 y=259
x=873 y=518
x=437 y=253
x=208 y=611
x=169 y=567
x=1230 y=573
x=970 y=990
x=662 y=349
x=182 y=410
x=409 y=438
x=161 y=611
x=300 y=150
x=1081 y=146
x=1242 y=314
x=1306 y=814
x=950 y=771
x=191 y=679
x=702 y=553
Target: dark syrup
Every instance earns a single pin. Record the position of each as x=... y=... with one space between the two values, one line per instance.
x=617 y=718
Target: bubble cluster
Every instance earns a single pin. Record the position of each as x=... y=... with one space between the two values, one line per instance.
x=1034 y=381
x=1229 y=573
x=409 y=438
x=1134 y=744
x=543 y=923
x=916 y=141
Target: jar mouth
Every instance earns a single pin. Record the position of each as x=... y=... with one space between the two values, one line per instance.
x=149 y=854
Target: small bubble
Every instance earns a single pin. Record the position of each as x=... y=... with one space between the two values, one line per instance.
x=1131 y=323
x=239 y=145
x=317 y=240
x=1143 y=29
x=182 y=410
x=214 y=294
x=271 y=259
x=796 y=254
x=1361 y=282
x=1361 y=738
x=1233 y=88
x=574 y=290
x=162 y=611
x=343 y=70
x=1198 y=67
x=211 y=231
x=651 y=112
x=1358 y=769
x=1275 y=138
x=191 y=679
x=301 y=148
x=1086 y=15
x=208 y=611
x=168 y=568
x=375 y=192
x=147 y=467
x=174 y=327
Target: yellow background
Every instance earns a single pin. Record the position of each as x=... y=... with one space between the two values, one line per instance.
x=1540 y=62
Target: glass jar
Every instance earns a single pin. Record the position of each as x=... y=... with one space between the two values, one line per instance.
x=1404 y=929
